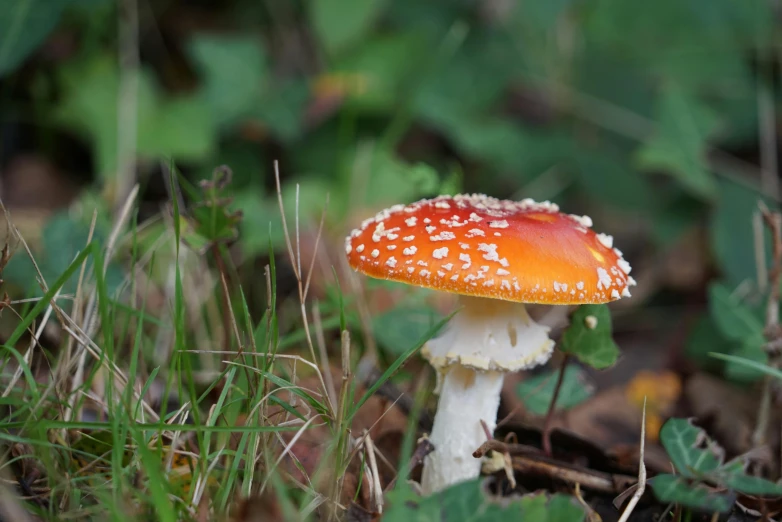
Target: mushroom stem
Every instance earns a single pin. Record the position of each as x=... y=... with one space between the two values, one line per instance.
x=485 y=340
x=467 y=397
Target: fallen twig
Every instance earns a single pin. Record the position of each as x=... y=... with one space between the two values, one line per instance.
x=528 y=460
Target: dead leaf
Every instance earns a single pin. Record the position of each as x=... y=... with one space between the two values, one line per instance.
x=729 y=412
x=263 y=508
x=613 y=423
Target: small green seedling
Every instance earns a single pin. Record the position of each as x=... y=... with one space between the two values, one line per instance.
x=210 y=221
x=703 y=480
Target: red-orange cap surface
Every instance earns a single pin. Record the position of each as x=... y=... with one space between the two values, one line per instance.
x=478 y=245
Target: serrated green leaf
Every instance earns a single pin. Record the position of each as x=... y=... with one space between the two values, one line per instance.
x=342 y=23
x=592 y=346
x=399 y=328
x=678 y=144
x=692 y=452
x=670 y=488
x=695 y=456
x=24 y=25
x=537 y=392
x=233 y=69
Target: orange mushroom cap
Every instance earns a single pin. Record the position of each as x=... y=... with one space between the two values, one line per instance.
x=477 y=245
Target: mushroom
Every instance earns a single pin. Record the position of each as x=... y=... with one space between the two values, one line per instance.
x=496 y=255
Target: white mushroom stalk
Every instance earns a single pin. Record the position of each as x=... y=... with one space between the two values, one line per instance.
x=482 y=342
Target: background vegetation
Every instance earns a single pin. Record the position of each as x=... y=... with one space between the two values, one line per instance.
x=163 y=289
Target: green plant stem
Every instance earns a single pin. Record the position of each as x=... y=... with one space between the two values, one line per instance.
x=552 y=407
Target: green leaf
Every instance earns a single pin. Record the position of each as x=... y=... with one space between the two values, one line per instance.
x=672 y=489
x=733 y=476
x=342 y=23
x=560 y=508
x=592 y=346
x=178 y=127
x=705 y=337
x=607 y=176
x=233 y=70
x=506 y=145
x=731 y=231
x=672 y=39
x=283 y=108
x=24 y=25
x=537 y=392
x=399 y=328
x=678 y=144
x=467 y=502
x=695 y=456
x=737 y=323
x=685 y=443
x=734 y=319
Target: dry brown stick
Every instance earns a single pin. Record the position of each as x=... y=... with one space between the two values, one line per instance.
x=587 y=478
x=504 y=447
x=530 y=461
x=773 y=221
x=772 y=330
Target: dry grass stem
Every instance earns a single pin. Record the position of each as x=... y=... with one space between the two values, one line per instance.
x=641 y=487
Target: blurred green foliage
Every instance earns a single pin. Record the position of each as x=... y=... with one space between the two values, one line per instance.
x=600 y=104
